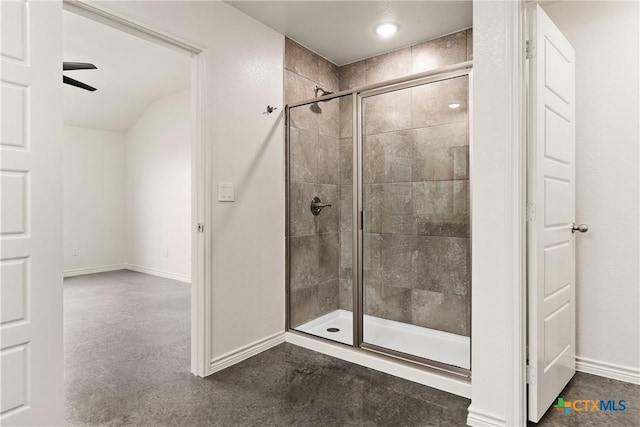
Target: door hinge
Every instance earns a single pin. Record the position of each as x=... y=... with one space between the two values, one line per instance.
x=200 y=227
x=531 y=211
x=530 y=49
x=531 y=375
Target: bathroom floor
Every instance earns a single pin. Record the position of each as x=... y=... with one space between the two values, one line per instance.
x=127 y=363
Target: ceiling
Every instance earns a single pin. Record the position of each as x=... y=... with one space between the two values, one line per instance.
x=344 y=31
x=132 y=73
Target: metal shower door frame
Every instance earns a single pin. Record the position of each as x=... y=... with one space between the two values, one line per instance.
x=358 y=214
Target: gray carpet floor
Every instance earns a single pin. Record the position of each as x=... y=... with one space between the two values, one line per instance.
x=127 y=363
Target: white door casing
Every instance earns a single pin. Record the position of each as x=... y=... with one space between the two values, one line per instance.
x=551 y=206
x=31 y=351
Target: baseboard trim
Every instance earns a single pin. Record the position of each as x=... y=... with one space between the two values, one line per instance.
x=221 y=362
x=92 y=270
x=450 y=384
x=159 y=273
x=608 y=370
x=484 y=419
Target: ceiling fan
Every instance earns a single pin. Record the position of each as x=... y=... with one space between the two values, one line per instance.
x=67 y=66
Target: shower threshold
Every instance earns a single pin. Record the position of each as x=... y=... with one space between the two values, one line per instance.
x=422 y=342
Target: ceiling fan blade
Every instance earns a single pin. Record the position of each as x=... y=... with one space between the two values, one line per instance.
x=66 y=66
x=73 y=82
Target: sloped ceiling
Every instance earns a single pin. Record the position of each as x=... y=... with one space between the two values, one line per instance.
x=132 y=73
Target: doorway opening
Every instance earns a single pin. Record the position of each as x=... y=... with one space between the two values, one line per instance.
x=133 y=202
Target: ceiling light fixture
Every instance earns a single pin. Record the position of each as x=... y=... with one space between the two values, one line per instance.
x=454 y=106
x=386 y=29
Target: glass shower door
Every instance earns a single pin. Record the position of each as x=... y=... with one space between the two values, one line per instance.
x=319 y=217
x=415 y=237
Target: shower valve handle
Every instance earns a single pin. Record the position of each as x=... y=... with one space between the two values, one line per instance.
x=317 y=206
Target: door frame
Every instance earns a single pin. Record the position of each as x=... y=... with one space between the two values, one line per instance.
x=201 y=187
x=499 y=167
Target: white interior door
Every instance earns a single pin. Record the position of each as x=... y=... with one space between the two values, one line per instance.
x=551 y=205
x=31 y=352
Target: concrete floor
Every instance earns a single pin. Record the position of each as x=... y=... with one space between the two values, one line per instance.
x=127 y=363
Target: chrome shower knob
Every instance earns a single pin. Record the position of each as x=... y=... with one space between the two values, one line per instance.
x=583 y=228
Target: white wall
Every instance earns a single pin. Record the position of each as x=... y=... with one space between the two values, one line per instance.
x=158 y=189
x=127 y=197
x=245 y=67
x=606 y=38
x=93 y=199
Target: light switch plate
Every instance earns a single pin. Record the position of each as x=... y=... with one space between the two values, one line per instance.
x=226 y=192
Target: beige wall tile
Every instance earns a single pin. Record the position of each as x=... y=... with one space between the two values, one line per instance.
x=440 y=52
x=328 y=75
x=304 y=117
x=346 y=207
x=304 y=305
x=353 y=75
x=430 y=102
x=300 y=60
x=328 y=160
x=346 y=116
x=397 y=208
x=328 y=297
x=346 y=252
x=443 y=264
x=372 y=257
x=346 y=294
x=329 y=118
x=399 y=255
x=304 y=262
x=302 y=221
x=387 y=157
x=388 y=66
x=297 y=88
x=440 y=311
x=329 y=256
x=304 y=155
x=387 y=112
x=346 y=161
x=373 y=201
x=387 y=302
x=427 y=225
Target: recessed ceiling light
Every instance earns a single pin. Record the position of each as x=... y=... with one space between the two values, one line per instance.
x=386 y=29
x=454 y=106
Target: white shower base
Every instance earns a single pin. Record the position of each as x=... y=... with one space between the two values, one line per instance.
x=427 y=343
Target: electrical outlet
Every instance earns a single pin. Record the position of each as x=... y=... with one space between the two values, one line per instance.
x=166 y=253
x=75 y=252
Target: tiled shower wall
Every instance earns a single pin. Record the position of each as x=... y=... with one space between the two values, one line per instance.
x=314 y=171
x=416 y=190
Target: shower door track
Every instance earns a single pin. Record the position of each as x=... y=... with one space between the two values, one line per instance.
x=358 y=344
